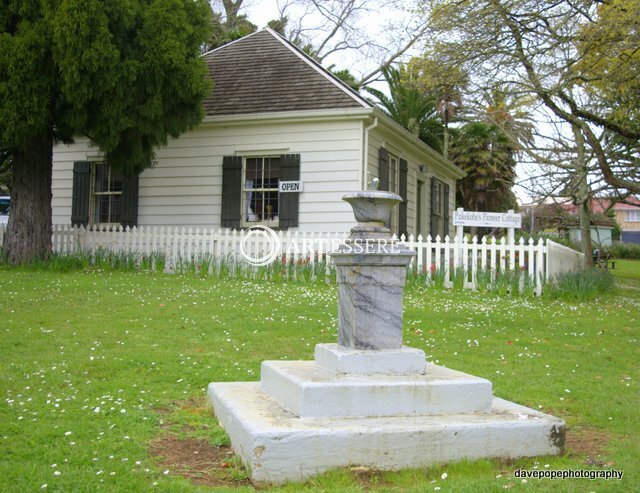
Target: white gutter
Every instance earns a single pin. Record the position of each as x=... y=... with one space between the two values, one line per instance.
x=296 y=116
x=364 y=162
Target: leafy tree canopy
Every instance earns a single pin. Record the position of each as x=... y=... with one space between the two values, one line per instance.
x=579 y=59
x=224 y=33
x=124 y=72
x=609 y=61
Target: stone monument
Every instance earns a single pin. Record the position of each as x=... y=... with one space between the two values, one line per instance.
x=368 y=400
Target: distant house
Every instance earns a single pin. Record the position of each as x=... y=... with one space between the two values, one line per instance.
x=274 y=116
x=626 y=215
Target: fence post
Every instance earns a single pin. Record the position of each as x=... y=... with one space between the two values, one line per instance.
x=429 y=259
x=458 y=243
x=540 y=267
x=511 y=232
x=448 y=274
x=474 y=262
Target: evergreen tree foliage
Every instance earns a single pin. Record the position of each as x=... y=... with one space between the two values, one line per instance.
x=125 y=73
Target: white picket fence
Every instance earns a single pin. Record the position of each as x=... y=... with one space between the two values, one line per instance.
x=447 y=259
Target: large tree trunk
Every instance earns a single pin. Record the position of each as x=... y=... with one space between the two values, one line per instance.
x=29 y=230
x=584 y=196
x=585 y=234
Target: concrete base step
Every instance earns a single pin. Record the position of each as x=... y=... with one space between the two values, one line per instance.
x=278 y=446
x=311 y=391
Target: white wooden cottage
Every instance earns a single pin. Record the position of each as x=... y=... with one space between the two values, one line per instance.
x=274 y=116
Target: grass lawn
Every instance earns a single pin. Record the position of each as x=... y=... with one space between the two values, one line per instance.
x=103 y=377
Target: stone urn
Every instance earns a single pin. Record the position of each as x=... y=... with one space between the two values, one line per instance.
x=372 y=210
x=371 y=274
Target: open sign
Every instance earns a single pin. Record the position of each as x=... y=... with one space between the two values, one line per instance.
x=290 y=186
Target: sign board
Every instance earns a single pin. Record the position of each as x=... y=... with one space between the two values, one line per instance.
x=290 y=186
x=487 y=219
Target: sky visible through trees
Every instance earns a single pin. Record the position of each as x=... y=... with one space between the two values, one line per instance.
x=377 y=23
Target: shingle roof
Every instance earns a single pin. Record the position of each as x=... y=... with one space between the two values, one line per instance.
x=265 y=73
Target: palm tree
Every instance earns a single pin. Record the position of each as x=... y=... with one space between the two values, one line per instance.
x=509 y=112
x=409 y=107
x=487 y=155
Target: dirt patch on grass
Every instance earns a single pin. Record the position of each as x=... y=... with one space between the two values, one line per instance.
x=191 y=403
x=199 y=461
x=587 y=442
x=162 y=411
x=368 y=479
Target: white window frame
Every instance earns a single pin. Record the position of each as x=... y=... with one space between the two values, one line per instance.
x=244 y=222
x=94 y=196
x=632 y=216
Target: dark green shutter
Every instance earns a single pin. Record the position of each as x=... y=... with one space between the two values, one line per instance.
x=445 y=209
x=129 y=215
x=231 y=192
x=81 y=193
x=383 y=168
x=434 y=217
x=402 y=191
x=288 y=208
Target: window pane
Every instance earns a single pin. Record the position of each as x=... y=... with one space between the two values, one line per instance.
x=102 y=209
x=270 y=205
x=101 y=181
x=393 y=170
x=251 y=204
x=260 y=196
x=271 y=172
x=253 y=170
x=116 y=209
x=115 y=184
x=108 y=208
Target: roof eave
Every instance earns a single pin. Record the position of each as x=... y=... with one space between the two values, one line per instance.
x=331 y=114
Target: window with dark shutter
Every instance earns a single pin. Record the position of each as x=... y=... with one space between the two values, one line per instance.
x=433 y=226
x=81 y=193
x=231 y=192
x=445 y=210
x=439 y=208
x=402 y=191
x=103 y=196
x=250 y=191
x=289 y=202
x=383 y=168
x=129 y=215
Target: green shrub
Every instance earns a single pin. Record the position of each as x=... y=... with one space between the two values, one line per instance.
x=625 y=250
x=580 y=285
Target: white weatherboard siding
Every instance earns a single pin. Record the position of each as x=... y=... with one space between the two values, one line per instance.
x=184 y=188
x=379 y=137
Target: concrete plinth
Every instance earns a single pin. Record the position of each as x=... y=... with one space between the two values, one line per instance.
x=310 y=391
x=339 y=359
x=278 y=446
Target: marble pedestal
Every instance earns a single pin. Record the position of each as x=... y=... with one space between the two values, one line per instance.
x=305 y=417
